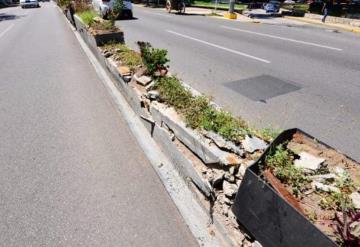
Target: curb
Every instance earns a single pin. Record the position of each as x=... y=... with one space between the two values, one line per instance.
x=193 y=212
x=325 y=25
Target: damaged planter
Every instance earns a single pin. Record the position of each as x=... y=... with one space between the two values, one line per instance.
x=97 y=38
x=269 y=217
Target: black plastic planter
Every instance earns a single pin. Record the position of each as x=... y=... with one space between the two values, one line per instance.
x=267 y=216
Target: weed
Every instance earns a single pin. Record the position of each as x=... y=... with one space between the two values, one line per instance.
x=87 y=16
x=173 y=92
x=268 y=134
x=131 y=59
x=280 y=161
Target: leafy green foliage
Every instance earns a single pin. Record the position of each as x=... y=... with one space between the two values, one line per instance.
x=118 y=7
x=280 y=161
x=63 y=3
x=88 y=16
x=153 y=58
x=172 y=92
x=198 y=112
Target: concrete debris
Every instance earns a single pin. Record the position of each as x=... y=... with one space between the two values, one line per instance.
x=230 y=178
x=229 y=159
x=232 y=170
x=241 y=171
x=143 y=80
x=324 y=187
x=153 y=95
x=224 y=144
x=355 y=229
x=127 y=78
x=355 y=197
x=340 y=172
x=124 y=70
x=229 y=189
x=252 y=144
x=107 y=54
x=308 y=162
x=256 y=244
x=323 y=177
x=217 y=181
x=150 y=86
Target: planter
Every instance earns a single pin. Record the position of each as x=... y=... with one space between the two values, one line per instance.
x=269 y=217
x=97 y=38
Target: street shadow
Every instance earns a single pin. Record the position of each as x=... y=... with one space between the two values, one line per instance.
x=127 y=19
x=8 y=17
x=188 y=14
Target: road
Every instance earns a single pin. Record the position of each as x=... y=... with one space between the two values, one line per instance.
x=71 y=174
x=280 y=73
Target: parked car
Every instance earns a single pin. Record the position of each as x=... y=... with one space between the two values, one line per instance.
x=29 y=3
x=289 y=1
x=103 y=7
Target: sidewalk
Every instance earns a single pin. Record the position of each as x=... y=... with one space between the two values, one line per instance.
x=72 y=174
x=325 y=25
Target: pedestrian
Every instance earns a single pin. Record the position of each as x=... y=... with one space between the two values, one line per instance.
x=324 y=11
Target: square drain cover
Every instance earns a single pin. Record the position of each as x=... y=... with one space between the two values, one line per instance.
x=262 y=88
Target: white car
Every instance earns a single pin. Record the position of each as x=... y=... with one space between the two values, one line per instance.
x=29 y=3
x=103 y=7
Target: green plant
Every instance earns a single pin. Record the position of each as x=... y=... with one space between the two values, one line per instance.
x=153 y=58
x=173 y=92
x=336 y=201
x=222 y=122
x=269 y=134
x=280 y=161
x=194 y=116
x=131 y=59
x=63 y=3
x=88 y=17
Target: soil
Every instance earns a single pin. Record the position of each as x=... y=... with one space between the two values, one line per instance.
x=309 y=200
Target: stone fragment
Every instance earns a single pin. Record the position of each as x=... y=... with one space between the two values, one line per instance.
x=324 y=187
x=241 y=171
x=308 y=162
x=107 y=54
x=217 y=181
x=230 y=178
x=223 y=144
x=252 y=144
x=355 y=229
x=229 y=189
x=256 y=244
x=232 y=170
x=323 y=177
x=355 y=197
x=340 y=172
x=127 y=78
x=143 y=80
x=153 y=95
x=124 y=70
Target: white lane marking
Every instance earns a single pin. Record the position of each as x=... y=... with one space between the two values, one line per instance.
x=6 y=30
x=283 y=38
x=219 y=47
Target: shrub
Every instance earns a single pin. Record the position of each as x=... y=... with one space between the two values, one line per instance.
x=153 y=58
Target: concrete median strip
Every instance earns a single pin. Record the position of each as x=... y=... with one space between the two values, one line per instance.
x=195 y=214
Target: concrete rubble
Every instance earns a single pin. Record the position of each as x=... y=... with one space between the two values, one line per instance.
x=252 y=144
x=308 y=162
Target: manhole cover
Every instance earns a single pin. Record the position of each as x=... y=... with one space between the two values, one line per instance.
x=262 y=88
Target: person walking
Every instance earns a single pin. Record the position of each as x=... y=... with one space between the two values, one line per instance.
x=324 y=11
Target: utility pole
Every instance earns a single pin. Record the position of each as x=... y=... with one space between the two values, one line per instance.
x=231 y=14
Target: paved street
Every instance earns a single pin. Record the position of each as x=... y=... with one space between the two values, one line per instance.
x=280 y=73
x=71 y=174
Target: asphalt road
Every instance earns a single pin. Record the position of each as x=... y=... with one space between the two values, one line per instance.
x=280 y=73
x=71 y=174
